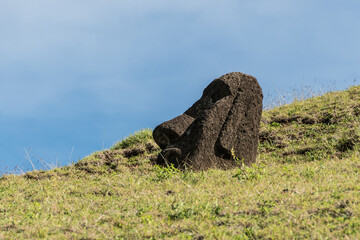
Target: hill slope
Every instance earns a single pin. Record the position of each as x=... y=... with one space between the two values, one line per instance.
x=306 y=184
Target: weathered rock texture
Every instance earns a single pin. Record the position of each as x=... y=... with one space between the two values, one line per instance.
x=226 y=117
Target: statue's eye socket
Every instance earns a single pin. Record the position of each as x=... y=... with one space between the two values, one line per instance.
x=217 y=90
x=216 y=96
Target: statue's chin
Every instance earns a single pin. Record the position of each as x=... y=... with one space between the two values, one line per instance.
x=170 y=156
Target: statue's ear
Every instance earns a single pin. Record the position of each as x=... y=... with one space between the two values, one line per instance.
x=225 y=140
x=237 y=128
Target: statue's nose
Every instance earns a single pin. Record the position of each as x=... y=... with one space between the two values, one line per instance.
x=163 y=140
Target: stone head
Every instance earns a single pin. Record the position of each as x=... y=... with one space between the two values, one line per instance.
x=226 y=117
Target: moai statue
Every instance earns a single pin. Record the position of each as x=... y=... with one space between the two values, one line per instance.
x=226 y=118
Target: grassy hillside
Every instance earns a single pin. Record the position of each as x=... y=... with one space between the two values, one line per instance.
x=305 y=184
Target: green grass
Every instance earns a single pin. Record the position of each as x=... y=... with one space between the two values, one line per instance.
x=138 y=138
x=305 y=185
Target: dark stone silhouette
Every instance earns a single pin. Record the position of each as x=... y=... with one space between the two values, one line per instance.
x=226 y=117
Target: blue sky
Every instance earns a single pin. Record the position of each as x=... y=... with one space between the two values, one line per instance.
x=76 y=76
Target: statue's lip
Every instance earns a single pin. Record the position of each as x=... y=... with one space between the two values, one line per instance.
x=172 y=150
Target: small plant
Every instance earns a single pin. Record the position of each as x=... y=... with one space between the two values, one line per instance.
x=165 y=172
x=275 y=124
x=192 y=177
x=248 y=233
x=315 y=155
x=245 y=173
x=265 y=207
x=179 y=210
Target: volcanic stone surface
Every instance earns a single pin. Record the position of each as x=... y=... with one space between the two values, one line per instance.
x=226 y=117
